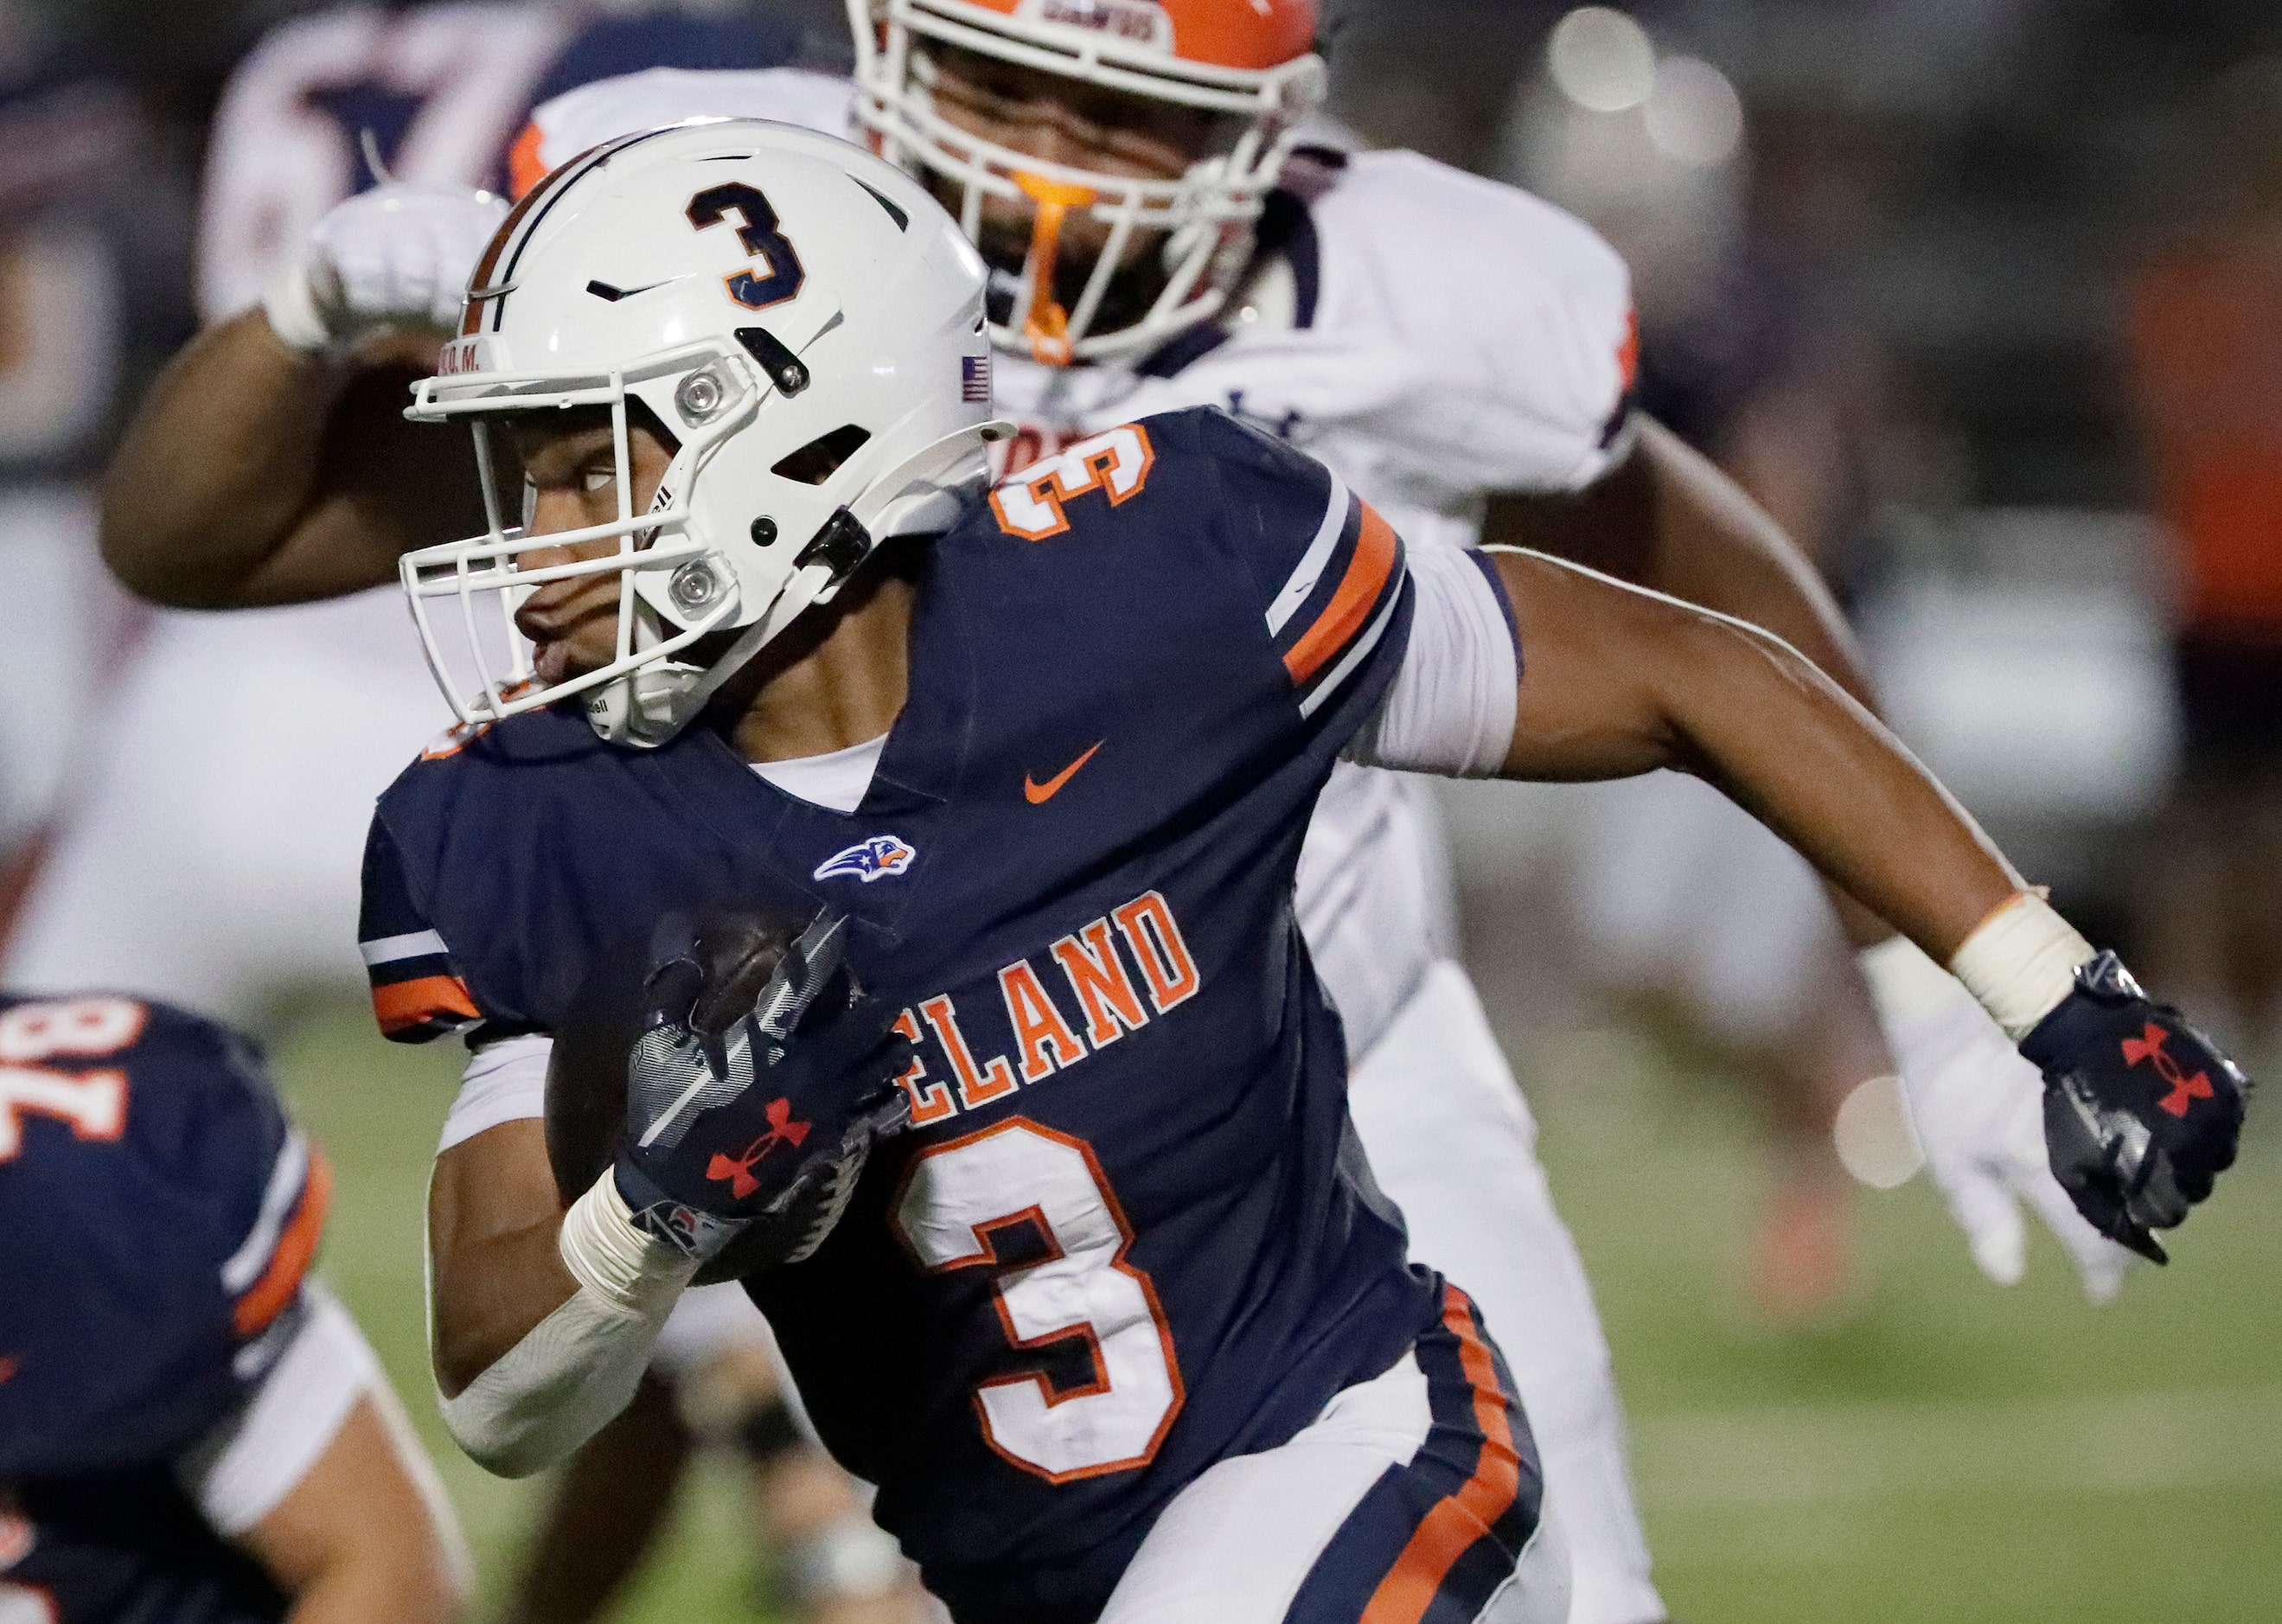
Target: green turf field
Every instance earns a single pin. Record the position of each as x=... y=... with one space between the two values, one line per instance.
x=1951 y=1451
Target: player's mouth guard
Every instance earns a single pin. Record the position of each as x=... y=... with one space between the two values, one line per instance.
x=1045 y=325
x=1205 y=215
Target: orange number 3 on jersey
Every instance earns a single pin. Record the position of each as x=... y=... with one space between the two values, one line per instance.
x=1029 y=505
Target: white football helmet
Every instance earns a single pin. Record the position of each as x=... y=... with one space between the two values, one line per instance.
x=807 y=322
x=1252 y=59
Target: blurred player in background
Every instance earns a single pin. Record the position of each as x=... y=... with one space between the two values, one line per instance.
x=196 y=860
x=190 y=1430
x=85 y=191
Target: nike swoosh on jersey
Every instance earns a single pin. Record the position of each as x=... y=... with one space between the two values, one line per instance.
x=1037 y=794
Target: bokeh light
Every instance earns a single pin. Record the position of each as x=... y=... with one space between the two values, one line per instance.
x=1601 y=59
x=1874 y=1138
x=1693 y=113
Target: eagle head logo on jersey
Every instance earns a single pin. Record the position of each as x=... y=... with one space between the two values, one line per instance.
x=721 y=287
x=868 y=860
x=1072 y=246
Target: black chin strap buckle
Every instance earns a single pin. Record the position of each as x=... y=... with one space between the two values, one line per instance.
x=840 y=545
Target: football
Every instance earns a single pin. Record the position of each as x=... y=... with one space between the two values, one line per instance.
x=738 y=950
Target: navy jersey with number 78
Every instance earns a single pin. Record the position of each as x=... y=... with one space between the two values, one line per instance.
x=159 y=1213
x=1129 y=1234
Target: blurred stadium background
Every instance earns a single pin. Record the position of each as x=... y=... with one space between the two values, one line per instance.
x=1983 y=297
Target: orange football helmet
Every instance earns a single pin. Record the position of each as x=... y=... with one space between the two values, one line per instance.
x=1251 y=60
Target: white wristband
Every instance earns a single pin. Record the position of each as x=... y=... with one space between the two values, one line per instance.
x=2021 y=963
x=618 y=1263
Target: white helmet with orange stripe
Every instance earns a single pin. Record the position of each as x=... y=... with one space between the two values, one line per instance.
x=800 y=322
x=1166 y=246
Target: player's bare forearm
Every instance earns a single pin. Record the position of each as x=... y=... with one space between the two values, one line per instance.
x=493 y=1221
x=1618 y=681
x=255 y=475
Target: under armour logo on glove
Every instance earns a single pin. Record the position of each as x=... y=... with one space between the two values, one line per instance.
x=2149 y=1046
x=2142 y=1111
x=751 y=1107
x=738 y=1169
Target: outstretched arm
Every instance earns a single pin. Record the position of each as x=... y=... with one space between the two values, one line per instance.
x=1667 y=518
x=1619 y=681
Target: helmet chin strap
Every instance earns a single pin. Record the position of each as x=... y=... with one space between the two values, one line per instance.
x=924 y=492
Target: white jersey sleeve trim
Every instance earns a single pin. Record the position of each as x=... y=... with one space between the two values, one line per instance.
x=413 y=945
x=1358 y=654
x=1451 y=707
x=287 y=1175
x=1296 y=590
x=240 y=1471
x=505 y=1081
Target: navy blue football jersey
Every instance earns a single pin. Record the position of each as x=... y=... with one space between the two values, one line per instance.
x=160 y=1212
x=1130 y=1233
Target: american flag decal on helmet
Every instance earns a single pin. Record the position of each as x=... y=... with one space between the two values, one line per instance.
x=975 y=380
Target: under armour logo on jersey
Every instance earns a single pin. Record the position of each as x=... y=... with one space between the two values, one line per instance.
x=2149 y=1046
x=1285 y=428
x=868 y=860
x=738 y=1169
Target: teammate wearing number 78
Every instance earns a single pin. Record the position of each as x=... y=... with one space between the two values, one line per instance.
x=1111 y=1311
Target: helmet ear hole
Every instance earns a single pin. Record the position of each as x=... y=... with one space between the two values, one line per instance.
x=820 y=459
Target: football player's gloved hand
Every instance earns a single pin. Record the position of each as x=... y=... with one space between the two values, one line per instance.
x=2141 y=1110
x=397 y=256
x=749 y=1115
x=1978 y=1109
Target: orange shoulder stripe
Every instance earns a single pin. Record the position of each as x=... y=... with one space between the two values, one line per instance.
x=266 y=1299
x=1375 y=551
x=408 y=1003
x=1457 y=1521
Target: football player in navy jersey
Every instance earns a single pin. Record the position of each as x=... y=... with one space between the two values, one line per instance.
x=1114 y=1316
x=190 y=1430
